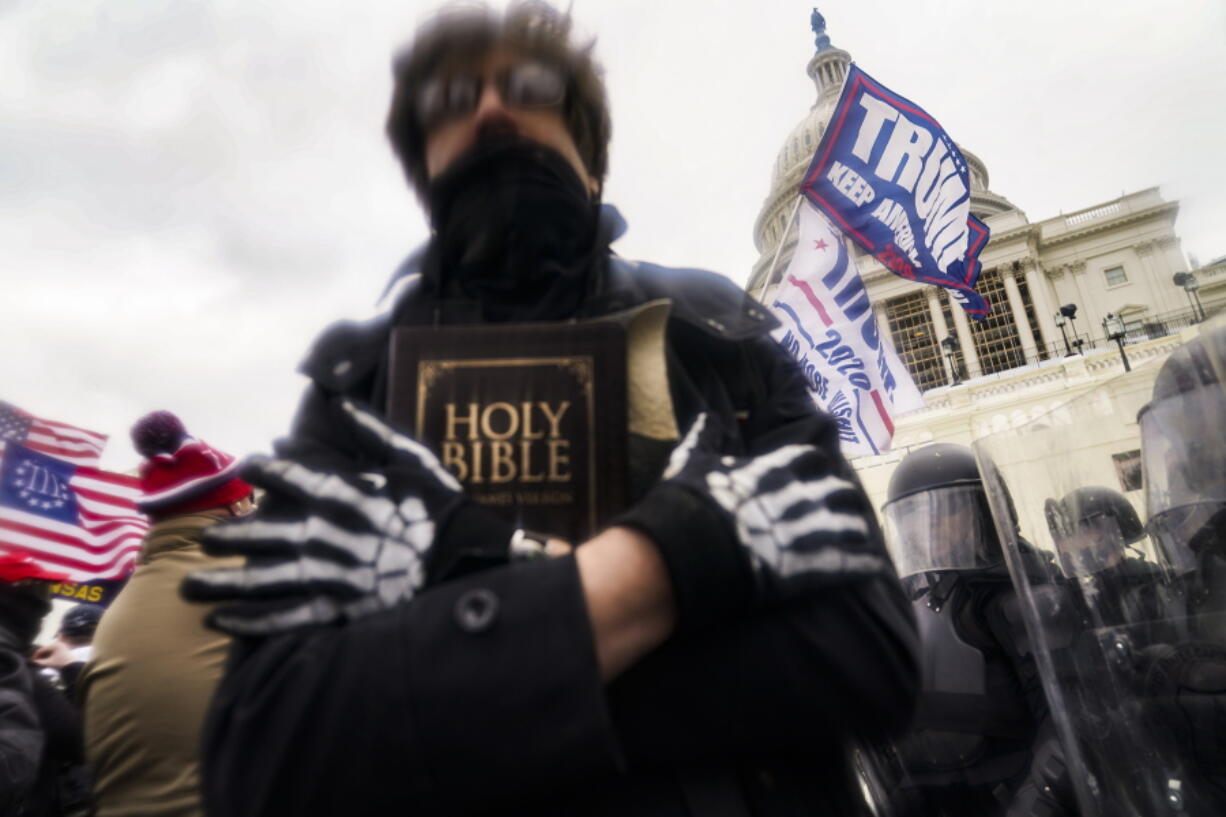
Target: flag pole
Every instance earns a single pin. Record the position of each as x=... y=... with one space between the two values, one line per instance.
x=770 y=273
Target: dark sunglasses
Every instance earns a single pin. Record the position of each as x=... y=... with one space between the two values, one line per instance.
x=531 y=85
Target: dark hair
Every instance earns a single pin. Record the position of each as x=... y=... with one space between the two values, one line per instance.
x=80 y=622
x=466 y=32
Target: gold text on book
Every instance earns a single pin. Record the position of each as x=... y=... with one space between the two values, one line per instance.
x=505 y=442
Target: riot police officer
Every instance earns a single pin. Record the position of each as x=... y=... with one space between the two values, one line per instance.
x=1183 y=436
x=1183 y=457
x=1092 y=527
x=1098 y=538
x=982 y=743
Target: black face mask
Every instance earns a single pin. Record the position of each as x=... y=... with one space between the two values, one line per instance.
x=515 y=230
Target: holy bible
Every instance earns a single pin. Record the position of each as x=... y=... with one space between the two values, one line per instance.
x=531 y=418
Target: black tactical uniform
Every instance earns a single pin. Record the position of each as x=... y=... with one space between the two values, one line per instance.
x=1093 y=529
x=982 y=742
x=1184 y=458
x=42 y=752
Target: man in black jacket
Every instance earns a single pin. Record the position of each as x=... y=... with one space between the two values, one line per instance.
x=42 y=754
x=713 y=651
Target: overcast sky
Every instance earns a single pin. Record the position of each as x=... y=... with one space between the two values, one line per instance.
x=190 y=191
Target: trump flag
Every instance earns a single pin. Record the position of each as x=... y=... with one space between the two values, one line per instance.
x=889 y=177
x=828 y=326
x=75 y=521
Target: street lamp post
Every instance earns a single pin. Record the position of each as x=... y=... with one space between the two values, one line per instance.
x=1190 y=285
x=1069 y=311
x=1114 y=329
x=950 y=345
x=1060 y=321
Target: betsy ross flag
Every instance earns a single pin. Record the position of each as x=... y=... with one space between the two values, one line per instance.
x=73 y=520
x=829 y=328
x=59 y=440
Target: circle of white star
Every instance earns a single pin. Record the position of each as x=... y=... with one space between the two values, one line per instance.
x=36 y=499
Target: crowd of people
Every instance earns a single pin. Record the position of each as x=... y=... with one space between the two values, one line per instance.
x=743 y=639
x=107 y=718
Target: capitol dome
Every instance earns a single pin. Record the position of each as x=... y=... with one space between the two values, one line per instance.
x=827 y=69
x=984 y=203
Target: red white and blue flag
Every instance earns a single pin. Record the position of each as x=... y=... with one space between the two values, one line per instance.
x=828 y=326
x=59 y=440
x=75 y=521
x=892 y=180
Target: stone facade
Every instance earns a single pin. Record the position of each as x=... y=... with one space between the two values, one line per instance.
x=1026 y=396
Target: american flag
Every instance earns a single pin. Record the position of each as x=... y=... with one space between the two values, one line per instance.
x=72 y=519
x=75 y=445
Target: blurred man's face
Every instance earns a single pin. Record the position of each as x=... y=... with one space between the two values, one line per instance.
x=504 y=93
x=1095 y=545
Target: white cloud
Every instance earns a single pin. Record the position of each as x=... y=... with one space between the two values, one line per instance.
x=190 y=190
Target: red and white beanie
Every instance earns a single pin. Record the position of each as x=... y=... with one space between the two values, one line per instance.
x=182 y=474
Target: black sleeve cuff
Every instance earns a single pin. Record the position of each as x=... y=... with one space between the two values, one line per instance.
x=471 y=539
x=710 y=572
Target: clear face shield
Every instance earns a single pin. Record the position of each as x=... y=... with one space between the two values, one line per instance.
x=942 y=529
x=1183 y=442
x=1086 y=545
x=1119 y=645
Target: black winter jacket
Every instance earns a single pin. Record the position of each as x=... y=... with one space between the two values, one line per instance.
x=42 y=752
x=21 y=733
x=430 y=710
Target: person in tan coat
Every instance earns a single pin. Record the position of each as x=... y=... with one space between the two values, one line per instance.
x=155 y=665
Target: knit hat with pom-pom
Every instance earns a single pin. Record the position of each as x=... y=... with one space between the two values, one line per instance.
x=180 y=473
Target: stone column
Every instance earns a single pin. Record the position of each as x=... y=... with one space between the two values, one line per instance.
x=1144 y=250
x=966 y=340
x=1040 y=293
x=938 y=317
x=1029 y=352
x=940 y=329
x=1170 y=260
x=1086 y=323
x=1077 y=271
x=1155 y=278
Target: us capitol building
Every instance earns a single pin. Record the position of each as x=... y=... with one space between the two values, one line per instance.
x=1051 y=284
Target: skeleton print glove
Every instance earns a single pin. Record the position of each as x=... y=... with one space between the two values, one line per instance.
x=337 y=542
x=738 y=530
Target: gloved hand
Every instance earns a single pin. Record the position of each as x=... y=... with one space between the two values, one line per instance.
x=735 y=531
x=335 y=540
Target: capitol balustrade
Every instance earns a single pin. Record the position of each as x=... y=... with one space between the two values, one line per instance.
x=1212 y=270
x=1167 y=323
x=994 y=362
x=1011 y=396
x=1143 y=201
x=1090 y=215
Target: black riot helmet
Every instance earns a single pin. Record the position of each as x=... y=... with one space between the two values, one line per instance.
x=937 y=515
x=937 y=465
x=1091 y=527
x=1183 y=449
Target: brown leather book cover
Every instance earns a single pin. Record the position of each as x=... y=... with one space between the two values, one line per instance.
x=531 y=418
